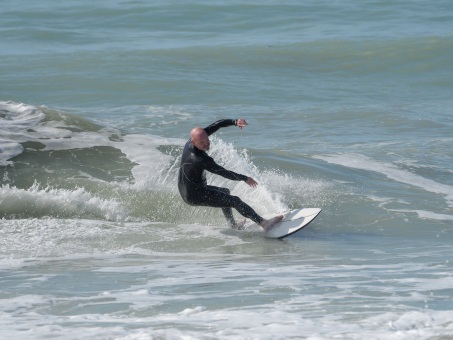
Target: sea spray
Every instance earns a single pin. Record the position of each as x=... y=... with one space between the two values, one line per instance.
x=37 y=202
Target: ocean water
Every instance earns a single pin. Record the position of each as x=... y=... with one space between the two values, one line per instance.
x=349 y=107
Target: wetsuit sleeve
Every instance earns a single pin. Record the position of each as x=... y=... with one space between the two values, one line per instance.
x=219 y=124
x=211 y=166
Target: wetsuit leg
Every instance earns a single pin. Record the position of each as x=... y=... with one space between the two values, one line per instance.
x=227 y=211
x=220 y=197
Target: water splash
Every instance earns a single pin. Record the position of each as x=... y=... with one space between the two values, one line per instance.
x=37 y=202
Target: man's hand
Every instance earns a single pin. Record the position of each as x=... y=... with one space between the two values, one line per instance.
x=251 y=182
x=241 y=123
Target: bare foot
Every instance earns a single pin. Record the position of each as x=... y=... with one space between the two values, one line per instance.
x=269 y=224
x=239 y=225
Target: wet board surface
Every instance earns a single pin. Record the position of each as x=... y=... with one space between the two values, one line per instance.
x=293 y=221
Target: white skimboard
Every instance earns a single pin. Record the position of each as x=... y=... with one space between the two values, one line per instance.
x=292 y=222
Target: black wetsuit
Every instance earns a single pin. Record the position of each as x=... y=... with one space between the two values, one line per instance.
x=192 y=183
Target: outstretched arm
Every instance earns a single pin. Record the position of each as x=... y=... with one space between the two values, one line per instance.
x=213 y=167
x=224 y=123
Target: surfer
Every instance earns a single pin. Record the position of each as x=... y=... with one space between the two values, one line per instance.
x=192 y=183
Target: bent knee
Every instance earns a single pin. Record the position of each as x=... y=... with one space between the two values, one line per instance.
x=236 y=199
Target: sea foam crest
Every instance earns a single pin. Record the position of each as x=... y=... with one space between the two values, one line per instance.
x=20 y=123
x=15 y=120
x=44 y=202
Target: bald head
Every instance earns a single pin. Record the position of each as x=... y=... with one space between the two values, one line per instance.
x=199 y=138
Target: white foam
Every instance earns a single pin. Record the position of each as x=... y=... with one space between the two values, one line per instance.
x=262 y=198
x=427 y=214
x=33 y=238
x=228 y=297
x=23 y=123
x=42 y=201
x=15 y=120
x=151 y=165
x=70 y=239
x=358 y=161
x=17 y=116
x=266 y=322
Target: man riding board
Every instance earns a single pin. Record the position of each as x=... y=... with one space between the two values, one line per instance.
x=192 y=183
